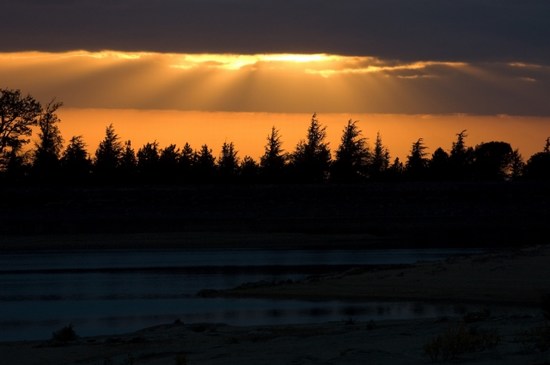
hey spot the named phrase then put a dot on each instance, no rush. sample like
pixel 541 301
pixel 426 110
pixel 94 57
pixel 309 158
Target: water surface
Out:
pixel 116 291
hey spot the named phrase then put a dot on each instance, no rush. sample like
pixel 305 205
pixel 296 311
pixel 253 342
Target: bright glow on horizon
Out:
pixel 276 83
pixel 210 98
pixel 249 130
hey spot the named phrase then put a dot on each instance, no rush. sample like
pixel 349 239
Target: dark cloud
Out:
pixel 468 30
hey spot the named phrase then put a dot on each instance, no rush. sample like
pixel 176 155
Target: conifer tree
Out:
pixel 75 162
pixel 311 159
pixel 273 160
pixel 204 166
pixel 380 161
pixel 108 154
pixel 228 162
pixel 417 161
pixel 351 155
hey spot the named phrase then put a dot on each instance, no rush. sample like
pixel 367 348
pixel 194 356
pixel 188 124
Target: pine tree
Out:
pixel 128 162
pixel 228 162
pixel 108 154
pixel 204 166
pixel 274 159
pixel 311 159
pixel 417 161
pixel 169 163
pixel 351 156
pixel 186 162
pixel 75 162
pixel 380 161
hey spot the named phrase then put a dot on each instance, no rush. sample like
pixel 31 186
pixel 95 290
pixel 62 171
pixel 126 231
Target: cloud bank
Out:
pixel 406 30
pixel 278 83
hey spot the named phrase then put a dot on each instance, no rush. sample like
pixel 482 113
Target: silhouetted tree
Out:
pixel 50 144
pixel 380 160
pixel 148 161
pixel 16 165
pixel 417 161
pixel 439 165
pixel 396 170
pixel 493 160
pixel 311 159
pixel 205 165
pixel 128 162
pixel 351 155
pixel 169 164
pixel 538 165
pixel 516 165
pixel 228 162
pixel 186 162
pixel 108 154
pixel 461 158
pixel 18 114
pixel 75 162
pixel 274 158
pixel 249 170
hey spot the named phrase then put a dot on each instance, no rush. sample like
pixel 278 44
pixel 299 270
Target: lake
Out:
pixel 117 291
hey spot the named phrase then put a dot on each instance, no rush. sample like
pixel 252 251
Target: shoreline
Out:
pixel 394 342
pixel 516 277
pixel 487 279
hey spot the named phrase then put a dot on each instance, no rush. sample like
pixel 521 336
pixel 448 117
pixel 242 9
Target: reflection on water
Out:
pixel 107 292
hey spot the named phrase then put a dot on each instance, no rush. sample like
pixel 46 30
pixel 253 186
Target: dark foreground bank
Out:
pixel 366 215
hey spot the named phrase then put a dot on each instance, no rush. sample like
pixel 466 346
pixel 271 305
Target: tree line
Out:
pixel 311 161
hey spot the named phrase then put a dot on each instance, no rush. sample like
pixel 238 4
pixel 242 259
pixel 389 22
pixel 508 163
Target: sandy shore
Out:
pixel 519 277
pixel 395 342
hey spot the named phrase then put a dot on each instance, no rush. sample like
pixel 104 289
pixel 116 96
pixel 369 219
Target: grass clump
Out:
pixel 459 340
pixel 536 339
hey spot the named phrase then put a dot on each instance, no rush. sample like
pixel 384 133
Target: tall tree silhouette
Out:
pixel 228 162
pixel 148 161
pixel 461 158
pixel 274 158
pixel 169 163
pixel 311 159
pixel 417 161
pixel 128 162
pixel 108 154
pixel 186 162
pixel 380 160
pixel 50 144
pixel 18 114
pixel 351 155
pixel 75 162
pixel 204 166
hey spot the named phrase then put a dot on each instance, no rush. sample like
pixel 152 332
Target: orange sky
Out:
pixel 157 96
pixel 249 130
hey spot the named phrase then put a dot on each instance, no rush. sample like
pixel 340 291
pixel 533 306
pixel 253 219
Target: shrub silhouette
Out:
pixel 65 334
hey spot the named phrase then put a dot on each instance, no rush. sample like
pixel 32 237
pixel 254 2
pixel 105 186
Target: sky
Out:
pixel 267 59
